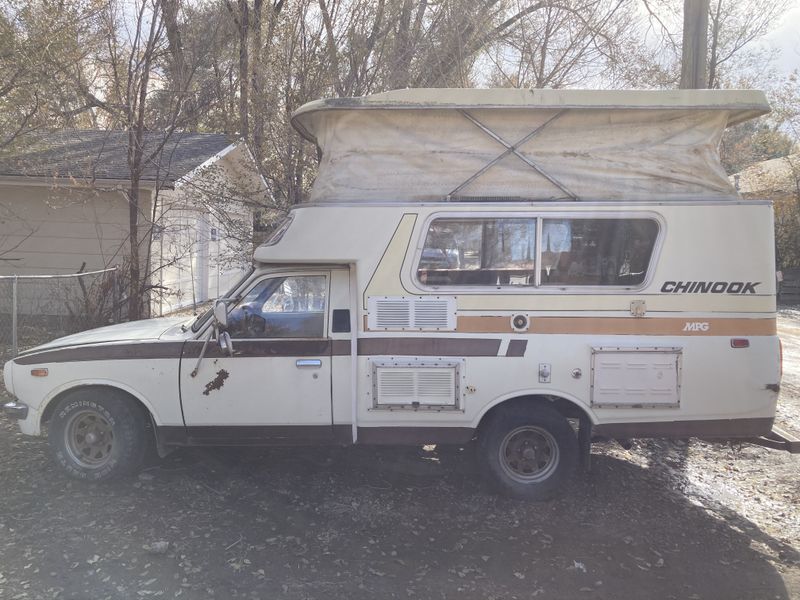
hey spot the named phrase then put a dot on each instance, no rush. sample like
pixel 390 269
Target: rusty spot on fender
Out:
pixel 217 382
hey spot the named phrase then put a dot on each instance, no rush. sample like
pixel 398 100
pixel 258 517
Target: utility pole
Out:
pixel 695 45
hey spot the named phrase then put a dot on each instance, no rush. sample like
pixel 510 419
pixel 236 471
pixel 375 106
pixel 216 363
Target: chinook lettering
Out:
pixel 714 287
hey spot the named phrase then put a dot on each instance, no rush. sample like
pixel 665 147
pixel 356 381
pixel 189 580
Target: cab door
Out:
pixel 277 384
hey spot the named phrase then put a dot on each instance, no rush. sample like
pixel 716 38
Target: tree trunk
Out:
pixel 258 87
pixel 695 44
pixel 134 283
pixel 244 68
pixel 136 128
pixel 180 70
pixel 712 62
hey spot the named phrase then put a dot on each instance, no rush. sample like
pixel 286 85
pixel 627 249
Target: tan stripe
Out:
pixel 622 326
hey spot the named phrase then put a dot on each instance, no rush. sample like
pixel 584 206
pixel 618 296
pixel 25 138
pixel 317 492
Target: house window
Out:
pixel 485 252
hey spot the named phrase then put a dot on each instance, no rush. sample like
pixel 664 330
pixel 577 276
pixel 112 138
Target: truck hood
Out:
pixel 147 329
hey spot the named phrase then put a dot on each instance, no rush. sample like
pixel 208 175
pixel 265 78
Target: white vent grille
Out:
pixel 392 314
pixel 416 384
pixel 425 313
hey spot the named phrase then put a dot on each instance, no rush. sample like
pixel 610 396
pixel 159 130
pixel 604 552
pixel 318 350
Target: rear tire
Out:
pixel 528 451
pixel 98 435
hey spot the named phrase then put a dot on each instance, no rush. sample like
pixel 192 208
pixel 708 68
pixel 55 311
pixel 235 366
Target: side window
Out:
pixel 479 252
pixel 282 307
pixel 596 251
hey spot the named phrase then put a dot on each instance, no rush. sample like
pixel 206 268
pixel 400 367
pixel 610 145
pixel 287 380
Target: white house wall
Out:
pixel 46 230
pixel 194 259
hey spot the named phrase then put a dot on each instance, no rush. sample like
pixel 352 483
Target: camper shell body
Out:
pixel 438 282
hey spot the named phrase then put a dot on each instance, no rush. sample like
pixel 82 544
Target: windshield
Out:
pixel 204 316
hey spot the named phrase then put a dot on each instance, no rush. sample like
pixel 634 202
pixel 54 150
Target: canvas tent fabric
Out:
pixel 438 145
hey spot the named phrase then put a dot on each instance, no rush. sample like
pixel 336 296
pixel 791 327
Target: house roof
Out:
pixel 778 175
pixel 95 154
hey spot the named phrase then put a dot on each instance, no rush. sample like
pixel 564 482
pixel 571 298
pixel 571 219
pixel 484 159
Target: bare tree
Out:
pixel 147 79
pixel 564 44
pixel 733 29
pixel 42 44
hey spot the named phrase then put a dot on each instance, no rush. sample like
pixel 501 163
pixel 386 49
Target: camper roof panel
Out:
pixel 427 145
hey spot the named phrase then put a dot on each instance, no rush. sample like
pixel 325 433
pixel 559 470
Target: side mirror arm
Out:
pixel 218 329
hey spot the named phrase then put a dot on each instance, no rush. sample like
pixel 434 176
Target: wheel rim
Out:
pixel 529 454
pixel 89 439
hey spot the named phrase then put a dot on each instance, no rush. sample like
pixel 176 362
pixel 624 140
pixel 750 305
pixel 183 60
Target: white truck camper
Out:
pixel 523 268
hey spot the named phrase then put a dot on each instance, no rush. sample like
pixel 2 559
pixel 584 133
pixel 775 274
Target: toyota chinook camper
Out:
pixel 527 268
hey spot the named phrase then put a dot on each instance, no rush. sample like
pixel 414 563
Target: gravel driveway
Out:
pixel 661 520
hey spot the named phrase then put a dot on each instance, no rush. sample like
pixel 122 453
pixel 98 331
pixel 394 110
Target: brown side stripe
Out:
pixel 716 428
pixel 516 348
pixel 150 350
pixel 275 348
pixel 684 326
pixel 261 348
pixel 427 347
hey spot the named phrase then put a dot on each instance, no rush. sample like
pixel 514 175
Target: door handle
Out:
pixel 306 363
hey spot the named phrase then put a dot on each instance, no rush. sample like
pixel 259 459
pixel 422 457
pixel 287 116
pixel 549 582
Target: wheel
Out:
pixel 528 452
pixel 98 434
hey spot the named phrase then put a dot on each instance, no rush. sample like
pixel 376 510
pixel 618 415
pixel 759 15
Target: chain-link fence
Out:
pixel 38 308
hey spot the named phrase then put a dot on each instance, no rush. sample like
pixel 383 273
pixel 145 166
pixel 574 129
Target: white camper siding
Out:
pixel 566 323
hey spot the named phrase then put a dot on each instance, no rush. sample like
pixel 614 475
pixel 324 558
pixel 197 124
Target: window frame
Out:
pixel 537 287
pixel 284 274
pixel 280 230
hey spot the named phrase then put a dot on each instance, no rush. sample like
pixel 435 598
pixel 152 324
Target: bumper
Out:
pixel 16 410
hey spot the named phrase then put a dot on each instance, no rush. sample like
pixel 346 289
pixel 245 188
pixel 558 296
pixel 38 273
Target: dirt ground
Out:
pixel 661 520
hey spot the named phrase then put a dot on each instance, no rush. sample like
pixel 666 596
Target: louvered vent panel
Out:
pixel 435 383
pixel 396 383
pixel 407 385
pixel 393 314
pixel 437 313
pixel 431 314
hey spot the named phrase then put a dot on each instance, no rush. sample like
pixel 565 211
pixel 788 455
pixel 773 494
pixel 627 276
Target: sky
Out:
pixel 787 37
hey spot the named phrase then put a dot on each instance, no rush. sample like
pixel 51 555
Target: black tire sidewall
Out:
pixel 545 417
pixel 126 422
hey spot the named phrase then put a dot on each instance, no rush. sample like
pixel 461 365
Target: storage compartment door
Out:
pixel 636 377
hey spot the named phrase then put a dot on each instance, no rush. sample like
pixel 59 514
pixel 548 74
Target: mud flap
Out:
pixel 585 444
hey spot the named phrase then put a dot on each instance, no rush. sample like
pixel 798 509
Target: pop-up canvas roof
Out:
pixel 423 145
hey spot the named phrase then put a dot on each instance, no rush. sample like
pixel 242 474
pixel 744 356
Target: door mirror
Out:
pixel 221 314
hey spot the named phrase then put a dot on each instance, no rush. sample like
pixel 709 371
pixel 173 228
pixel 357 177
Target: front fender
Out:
pixel 43 409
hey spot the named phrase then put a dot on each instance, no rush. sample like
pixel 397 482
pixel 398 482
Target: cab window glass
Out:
pixel 282 307
pixel 596 251
pixel 479 252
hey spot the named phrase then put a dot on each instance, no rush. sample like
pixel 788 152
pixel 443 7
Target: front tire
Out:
pixel 528 451
pixel 97 435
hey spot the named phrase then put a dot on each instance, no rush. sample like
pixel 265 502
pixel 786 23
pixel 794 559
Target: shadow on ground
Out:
pixel 363 523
